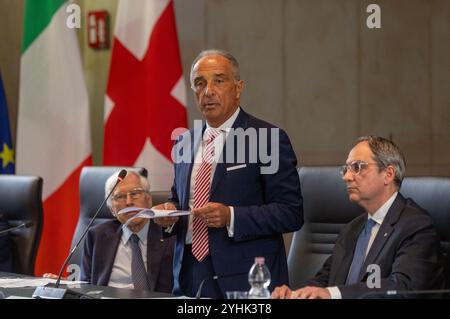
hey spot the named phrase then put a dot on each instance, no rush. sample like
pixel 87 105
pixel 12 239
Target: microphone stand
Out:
pixel 23 225
pixel 215 277
pixel 53 291
pixel 200 287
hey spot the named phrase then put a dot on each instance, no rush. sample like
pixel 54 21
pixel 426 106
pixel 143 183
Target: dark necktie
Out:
pixel 360 253
pixel 138 272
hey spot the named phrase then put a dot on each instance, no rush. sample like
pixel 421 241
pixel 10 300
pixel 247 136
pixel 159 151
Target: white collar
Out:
pixel 381 212
pixel 226 126
pixel 142 234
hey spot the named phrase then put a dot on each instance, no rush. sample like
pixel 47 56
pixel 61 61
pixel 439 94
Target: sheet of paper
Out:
pixel 151 213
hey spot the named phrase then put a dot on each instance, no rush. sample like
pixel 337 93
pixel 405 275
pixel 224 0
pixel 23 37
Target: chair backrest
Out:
pixel 92 193
pixel 326 210
pixel 433 194
pixel 21 201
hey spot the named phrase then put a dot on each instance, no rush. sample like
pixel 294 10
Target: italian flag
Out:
pixel 53 138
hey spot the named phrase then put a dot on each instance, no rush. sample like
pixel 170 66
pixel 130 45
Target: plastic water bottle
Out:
pixel 259 280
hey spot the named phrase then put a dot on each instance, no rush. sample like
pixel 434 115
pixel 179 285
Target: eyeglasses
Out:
pixel 355 167
pixel 134 194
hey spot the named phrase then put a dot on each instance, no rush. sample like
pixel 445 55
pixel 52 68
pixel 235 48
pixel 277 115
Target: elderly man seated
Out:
pixel 126 254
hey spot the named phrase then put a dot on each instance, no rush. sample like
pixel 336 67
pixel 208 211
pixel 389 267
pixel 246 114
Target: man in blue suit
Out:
pixel 241 201
pixel 394 246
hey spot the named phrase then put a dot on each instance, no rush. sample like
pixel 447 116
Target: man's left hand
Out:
pixel 215 215
pixel 311 293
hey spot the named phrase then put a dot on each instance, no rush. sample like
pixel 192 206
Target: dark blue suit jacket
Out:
pixel 406 248
pixel 265 207
pixel 100 250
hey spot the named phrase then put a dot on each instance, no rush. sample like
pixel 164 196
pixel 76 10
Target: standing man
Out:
pixel 241 204
pixel 395 236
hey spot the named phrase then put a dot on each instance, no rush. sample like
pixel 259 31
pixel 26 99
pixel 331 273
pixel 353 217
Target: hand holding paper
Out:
pixel 166 222
pixel 152 213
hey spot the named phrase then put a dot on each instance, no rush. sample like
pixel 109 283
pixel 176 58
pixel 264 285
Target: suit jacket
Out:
pixel 6 262
pixel 265 207
pixel 406 248
pixel 100 250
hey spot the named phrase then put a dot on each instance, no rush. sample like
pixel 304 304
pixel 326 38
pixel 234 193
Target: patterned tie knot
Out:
pixel 134 239
pixel 369 225
pixel 211 134
pixel 138 272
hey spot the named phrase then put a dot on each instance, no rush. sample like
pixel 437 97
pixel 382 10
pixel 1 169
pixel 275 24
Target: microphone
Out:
pixel 215 277
pixel 50 292
pixel 391 293
pixel 23 225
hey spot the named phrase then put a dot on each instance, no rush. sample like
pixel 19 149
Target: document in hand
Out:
pixel 152 213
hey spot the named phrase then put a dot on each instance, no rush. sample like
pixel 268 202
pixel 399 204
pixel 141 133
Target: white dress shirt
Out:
pixel 378 217
pixel 121 270
pixel 219 142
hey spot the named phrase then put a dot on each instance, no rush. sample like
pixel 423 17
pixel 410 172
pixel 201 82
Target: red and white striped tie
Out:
pixel 202 182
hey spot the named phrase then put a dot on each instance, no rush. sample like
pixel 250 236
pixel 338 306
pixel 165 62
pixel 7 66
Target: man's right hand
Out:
pixel 165 221
pixel 49 275
pixel 282 292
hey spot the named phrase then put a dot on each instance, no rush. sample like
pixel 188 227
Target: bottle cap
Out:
pixel 259 260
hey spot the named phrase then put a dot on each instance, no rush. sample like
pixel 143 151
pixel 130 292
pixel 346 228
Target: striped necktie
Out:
pixel 202 183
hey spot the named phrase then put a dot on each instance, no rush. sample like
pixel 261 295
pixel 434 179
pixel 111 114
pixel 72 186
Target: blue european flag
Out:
pixel 6 149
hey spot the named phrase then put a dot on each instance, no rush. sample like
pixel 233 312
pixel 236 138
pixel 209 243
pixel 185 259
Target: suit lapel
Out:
pixel 385 231
pixel 241 121
pixel 109 244
pixel 155 251
pixel 344 256
pixel 187 167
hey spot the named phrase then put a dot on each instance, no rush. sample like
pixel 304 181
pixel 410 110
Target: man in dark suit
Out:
pixel 394 246
pixel 241 202
pixel 5 247
pixel 112 258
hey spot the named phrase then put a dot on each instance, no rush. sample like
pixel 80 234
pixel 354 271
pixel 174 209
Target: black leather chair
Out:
pixel 326 210
pixel 433 194
pixel 92 193
pixel 21 201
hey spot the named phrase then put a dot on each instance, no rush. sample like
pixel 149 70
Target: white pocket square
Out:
pixel 232 168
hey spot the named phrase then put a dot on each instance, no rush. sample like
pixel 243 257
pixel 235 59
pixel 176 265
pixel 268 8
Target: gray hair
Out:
pixel 385 152
pixel 223 53
pixel 109 184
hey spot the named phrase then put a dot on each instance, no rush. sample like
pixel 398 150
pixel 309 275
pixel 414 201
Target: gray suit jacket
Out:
pixel 406 248
pixel 100 250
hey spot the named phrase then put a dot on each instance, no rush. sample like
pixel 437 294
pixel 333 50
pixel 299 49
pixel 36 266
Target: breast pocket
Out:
pixel 236 167
pixel 239 185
